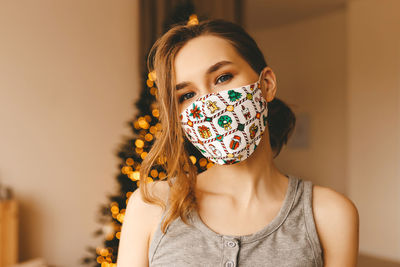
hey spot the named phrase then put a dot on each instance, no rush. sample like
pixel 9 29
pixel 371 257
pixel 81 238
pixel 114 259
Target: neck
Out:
pixel 252 180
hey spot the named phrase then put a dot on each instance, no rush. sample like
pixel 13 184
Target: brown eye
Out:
pixel 223 78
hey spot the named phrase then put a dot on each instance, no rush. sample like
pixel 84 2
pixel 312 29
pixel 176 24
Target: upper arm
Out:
pixel 139 220
pixel 337 223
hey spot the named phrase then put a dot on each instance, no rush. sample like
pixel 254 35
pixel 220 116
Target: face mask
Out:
pixel 227 126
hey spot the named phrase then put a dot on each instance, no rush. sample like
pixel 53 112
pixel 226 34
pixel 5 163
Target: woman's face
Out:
pixel 208 64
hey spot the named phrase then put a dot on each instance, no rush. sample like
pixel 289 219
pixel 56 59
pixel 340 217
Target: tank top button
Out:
pixel 229 264
pixel 231 244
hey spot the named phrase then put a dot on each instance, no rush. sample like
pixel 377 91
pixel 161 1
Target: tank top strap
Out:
pixel 309 221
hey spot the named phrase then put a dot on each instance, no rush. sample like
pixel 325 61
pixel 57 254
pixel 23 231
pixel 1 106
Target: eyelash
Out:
pixel 224 75
pixel 229 75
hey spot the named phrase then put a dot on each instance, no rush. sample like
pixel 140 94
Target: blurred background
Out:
pixel 76 115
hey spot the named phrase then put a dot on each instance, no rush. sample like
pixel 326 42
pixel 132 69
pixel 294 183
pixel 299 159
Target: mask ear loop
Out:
pixel 259 80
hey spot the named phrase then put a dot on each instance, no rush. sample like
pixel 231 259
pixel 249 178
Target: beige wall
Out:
pixel 374 123
pixel 343 70
pixel 68 78
pixel 309 61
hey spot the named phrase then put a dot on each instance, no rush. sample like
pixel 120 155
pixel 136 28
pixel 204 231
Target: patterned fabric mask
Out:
pixel 227 126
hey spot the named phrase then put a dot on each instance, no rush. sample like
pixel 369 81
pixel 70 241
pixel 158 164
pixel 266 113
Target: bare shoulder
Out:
pixel 337 222
pixel 136 202
pixel 150 211
pixel 139 222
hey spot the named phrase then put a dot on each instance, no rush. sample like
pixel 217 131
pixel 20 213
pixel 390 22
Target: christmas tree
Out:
pixel 145 128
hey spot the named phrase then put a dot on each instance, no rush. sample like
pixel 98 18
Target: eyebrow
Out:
pixel 210 70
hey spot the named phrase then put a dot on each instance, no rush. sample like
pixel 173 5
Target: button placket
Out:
pixel 231 244
pixel 231 251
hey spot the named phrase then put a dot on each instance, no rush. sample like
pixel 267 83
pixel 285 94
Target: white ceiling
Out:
pixel 271 13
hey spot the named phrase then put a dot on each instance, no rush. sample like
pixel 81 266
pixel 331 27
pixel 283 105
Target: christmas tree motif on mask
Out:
pixel 225 122
pixel 195 112
pixel 234 96
pixel 212 106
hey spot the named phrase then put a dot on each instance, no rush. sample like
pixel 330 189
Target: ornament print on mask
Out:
pixel 227 126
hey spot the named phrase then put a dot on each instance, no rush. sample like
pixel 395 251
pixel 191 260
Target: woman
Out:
pixel 216 92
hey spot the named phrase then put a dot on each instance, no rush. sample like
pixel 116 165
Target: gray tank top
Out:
pixel 290 239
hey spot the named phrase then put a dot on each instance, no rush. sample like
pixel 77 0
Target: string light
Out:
pixel 143 123
pixel 154 173
pixel 153 129
pixel 149 83
pixel 153 90
pixel 100 259
pixel 148 137
pixel 152 76
pixel 143 155
pixel 114 210
pixel 202 162
pixel 129 161
pixel 139 143
pixel 155 113
pixel 110 236
pixel 209 165
pixel 193 20
pixel 104 252
pixel 120 217
pixel 193 159
pixel 135 175
pixel 162 175
pixel 126 169
pixel 109 263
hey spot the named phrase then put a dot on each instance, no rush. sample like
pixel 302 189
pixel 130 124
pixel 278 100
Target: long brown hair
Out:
pixel 168 148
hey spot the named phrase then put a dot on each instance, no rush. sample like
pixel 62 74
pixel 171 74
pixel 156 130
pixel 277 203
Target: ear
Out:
pixel 268 83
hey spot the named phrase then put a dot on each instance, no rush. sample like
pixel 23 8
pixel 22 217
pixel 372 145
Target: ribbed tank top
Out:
pixel 290 239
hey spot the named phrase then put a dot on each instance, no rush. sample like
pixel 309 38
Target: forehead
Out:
pixel 197 55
